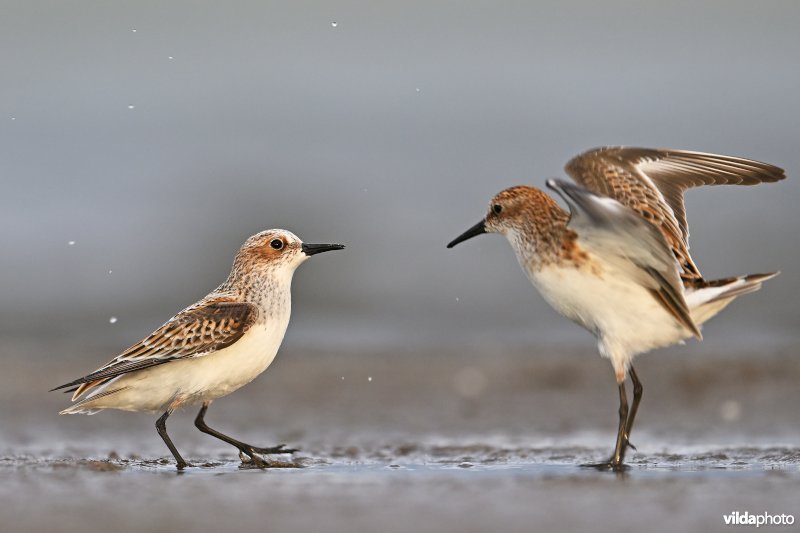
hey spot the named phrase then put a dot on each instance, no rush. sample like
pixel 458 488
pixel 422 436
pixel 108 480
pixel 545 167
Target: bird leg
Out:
pixel 161 427
pixel 622 436
pixel 244 448
pixel 615 462
pixel 626 418
pixel 637 397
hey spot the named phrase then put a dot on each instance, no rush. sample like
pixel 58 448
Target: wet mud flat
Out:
pixel 402 441
pixel 432 488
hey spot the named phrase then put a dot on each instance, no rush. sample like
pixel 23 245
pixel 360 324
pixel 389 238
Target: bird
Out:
pixel 209 349
pixel 617 261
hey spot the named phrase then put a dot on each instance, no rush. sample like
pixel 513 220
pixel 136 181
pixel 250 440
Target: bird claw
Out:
pixel 255 461
pixel 280 448
pixel 251 456
pixel 251 460
pixel 608 465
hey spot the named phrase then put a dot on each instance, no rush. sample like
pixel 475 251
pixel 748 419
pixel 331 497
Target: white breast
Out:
pixel 623 315
pixel 221 373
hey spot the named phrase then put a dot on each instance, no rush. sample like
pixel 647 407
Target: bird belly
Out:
pixel 237 365
pixel 623 315
pixel 195 380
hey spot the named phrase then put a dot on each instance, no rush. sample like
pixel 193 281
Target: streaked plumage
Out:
pixel 652 183
pixel 208 326
pixel 618 263
pixel 209 349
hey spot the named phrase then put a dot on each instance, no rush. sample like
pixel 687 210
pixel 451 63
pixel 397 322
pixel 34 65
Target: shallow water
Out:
pixel 424 460
pixel 436 488
pixel 433 442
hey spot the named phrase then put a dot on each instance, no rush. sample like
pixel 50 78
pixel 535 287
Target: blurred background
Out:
pixel 142 142
pixel 157 136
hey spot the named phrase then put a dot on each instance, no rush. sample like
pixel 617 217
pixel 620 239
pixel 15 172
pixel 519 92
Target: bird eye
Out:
pixel 497 208
pixel 276 243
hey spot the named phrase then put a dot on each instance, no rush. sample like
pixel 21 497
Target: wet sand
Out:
pixel 536 493
pixel 434 441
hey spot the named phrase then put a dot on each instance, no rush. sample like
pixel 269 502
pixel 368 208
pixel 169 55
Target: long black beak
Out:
pixel 475 230
pixel 311 249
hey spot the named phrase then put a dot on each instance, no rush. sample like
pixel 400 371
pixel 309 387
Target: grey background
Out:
pixel 389 132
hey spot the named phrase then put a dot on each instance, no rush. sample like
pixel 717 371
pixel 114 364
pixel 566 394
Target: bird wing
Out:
pixel 623 238
pixel 206 327
pixel 652 183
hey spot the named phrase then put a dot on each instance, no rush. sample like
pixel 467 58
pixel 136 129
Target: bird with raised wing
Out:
pixel 617 263
pixel 209 349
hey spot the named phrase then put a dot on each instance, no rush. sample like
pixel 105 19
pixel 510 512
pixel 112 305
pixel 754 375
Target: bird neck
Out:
pixel 268 288
pixel 544 236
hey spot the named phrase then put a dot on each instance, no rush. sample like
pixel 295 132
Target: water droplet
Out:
pixel 458 299
pixel 170 58
pixel 13 118
pixel 112 320
pixel 417 89
pixel 334 24
pixel 71 243
pixel 369 378
pixel 133 30
pixel 342 378
pixel 110 271
pixel 131 107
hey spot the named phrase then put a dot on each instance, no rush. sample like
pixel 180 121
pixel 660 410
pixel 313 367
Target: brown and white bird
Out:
pixel 618 262
pixel 209 349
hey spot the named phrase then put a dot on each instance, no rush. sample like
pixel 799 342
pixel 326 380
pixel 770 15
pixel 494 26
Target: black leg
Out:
pixel 637 397
pixel 161 427
pixel 246 449
pixel 622 437
pixel 616 461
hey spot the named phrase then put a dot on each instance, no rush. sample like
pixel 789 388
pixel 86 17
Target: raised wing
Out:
pixel 209 326
pixel 636 247
pixel 652 182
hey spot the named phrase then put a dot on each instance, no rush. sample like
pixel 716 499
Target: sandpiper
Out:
pixel 209 349
pixel 618 262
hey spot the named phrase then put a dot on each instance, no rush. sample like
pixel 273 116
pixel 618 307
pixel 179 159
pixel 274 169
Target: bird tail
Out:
pixel 90 405
pixel 707 298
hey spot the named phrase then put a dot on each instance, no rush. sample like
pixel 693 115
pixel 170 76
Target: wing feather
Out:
pixel 206 327
pixel 636 247
pixel 652 182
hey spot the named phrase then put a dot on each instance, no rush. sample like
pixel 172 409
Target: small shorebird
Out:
pixel 209 349
pixel 618 263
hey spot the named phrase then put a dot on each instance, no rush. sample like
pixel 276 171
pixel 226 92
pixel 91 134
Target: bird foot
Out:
pixel 183 464
pixel 609 465
pixel 251 460
pixel 280 448
pixel 252 457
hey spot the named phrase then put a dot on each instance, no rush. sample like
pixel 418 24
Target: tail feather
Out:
pixel 707 298
pixel 90 405
pixel 86 387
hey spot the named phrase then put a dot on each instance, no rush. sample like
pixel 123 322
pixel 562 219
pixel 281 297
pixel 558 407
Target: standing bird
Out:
pixel 209 349
pixel 618 263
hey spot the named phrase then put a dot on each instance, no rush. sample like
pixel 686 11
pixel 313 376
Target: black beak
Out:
pixel 477 229
pixel 311 249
